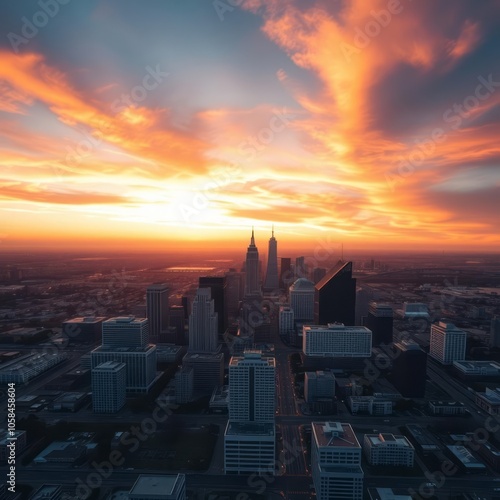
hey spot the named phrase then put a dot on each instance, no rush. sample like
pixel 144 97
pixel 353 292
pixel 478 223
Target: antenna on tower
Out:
pixel 273 231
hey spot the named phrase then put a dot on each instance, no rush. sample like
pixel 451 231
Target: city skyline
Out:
pixel 187 122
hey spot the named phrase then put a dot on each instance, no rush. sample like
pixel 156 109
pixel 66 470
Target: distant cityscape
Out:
pixel 294 377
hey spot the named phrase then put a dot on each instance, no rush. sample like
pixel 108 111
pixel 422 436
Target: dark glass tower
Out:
pixel 379 321
pixel 286 273
pixel 409 369
pixel 335 296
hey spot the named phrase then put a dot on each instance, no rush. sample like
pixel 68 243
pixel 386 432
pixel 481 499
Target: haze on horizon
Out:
pixel 179 125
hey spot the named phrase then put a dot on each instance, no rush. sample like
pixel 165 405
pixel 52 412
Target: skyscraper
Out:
pixel 272 279
pixel 125 331
pixel 380 321
pixel 252 387
pixel 409 369
pixel 286 273
pixel 108 387
pixel 203 323
pixel 495 332
pixel 335 296
pixel 302 300
pixel 447 343
pixel 157 311
pixel 250 436
pixel 217 285
pixel 252 282
pixel 300 268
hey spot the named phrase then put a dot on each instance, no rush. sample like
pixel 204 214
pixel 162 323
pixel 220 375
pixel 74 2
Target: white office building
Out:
pixel 336 462
pixel 319 384
pixel 252 387
pixel 203 323
pixel 336 340
pixel 127 331
pixel 164 487
pixel 388 449
pixel 108 387
pixel 447 343
pixel 302 300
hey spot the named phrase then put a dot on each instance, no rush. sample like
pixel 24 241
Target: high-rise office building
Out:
pixel 208 370
pixel 157 311
pixel 184 384
pixel 203 323
pixel 335 296
pixel 286 273
pixel 217 285
pixel 177 322
pixel 300 268
pixel 448 343
pixel 336 462
pixel 495 332
pixel 271 282
pixel 126 331
pixel 140 365
pixel 249 439
pixel 336 340
pixel 252 387
pixel 380 321
pixel 164 487
pixel 108 387
pixel 318 384
pixel 252 280
pixel 302 300
pixel 233 294
pixel 409 369
pixel 286 320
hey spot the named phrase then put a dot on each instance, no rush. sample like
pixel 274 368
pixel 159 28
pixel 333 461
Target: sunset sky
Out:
pixel 169 123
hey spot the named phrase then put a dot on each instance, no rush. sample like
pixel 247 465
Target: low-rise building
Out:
pixel 370 404
pixel 154 487
pixel 249 447
pixel 336 462
pixel 489 400
pixel 388 449
pixel 447 407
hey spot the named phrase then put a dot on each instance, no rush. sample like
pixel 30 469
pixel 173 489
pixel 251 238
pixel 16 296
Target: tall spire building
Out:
pixel 252 284
pixel 272 277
